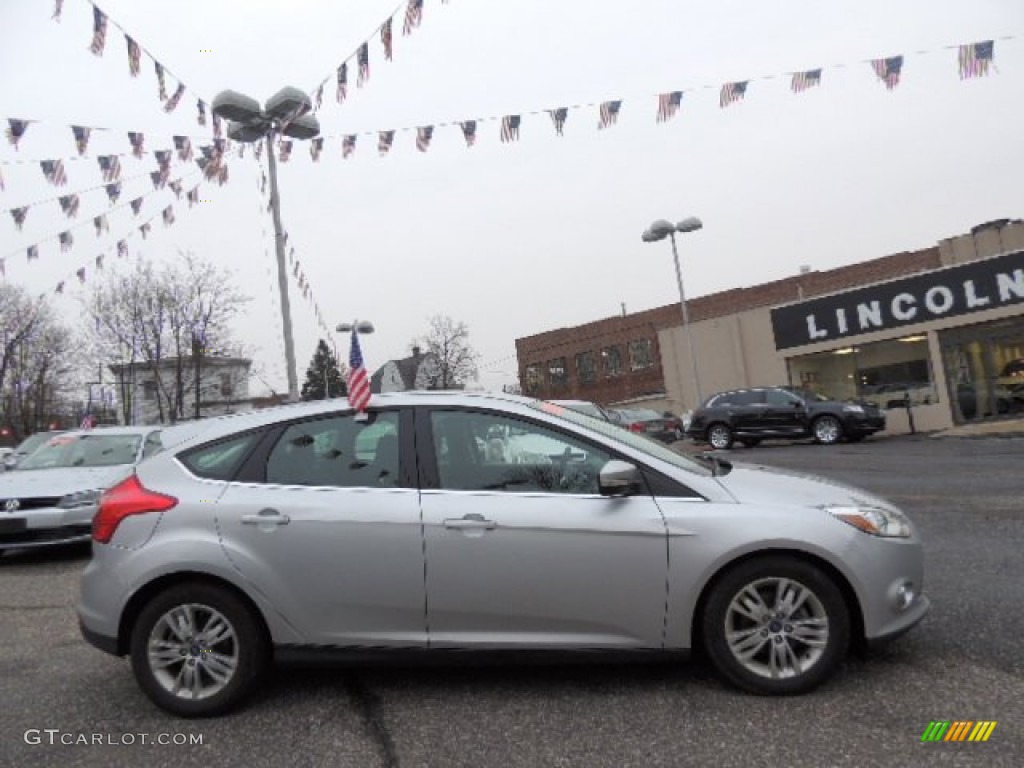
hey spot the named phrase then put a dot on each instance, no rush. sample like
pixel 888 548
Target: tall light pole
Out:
pixel 659 230
pixel 286 113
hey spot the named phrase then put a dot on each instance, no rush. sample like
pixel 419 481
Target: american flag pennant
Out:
pixel 413 16
pixel 69 204
pixel 176 188
pixel 134 56
pixel 348 145
pixel 291 255
pixel 258 150
pixel 122 248
pixel 15 130
pixel 159 179
pixel 384 141
pixel 113 191
pixel 99 31
pixel 668 105
pixel 241 151
pixel 67 242
pixel 609 113
pixel 163 159
pixel 316 146
pixel 161 80
pixel 80 274
pixel 81 134
pixel 136 206
pixel 201 112
pixel 976 58
pixel 558 117
pixel 101 224
pixel 32 252
pixel 19 214
pixel 58 8
pixel 222 174
pixel 888 70
pixel 138 142
pixel 732 92
pixel 803 80
pixel 263 183
pixel 168 215
pixel 53 170
pixel 59 288
pixel 295 270
pixel 319 97
pixel 386 38
pixel 2 187
pixel 172 103
pixel 469 131
pixel 193 196
pixel 99 261
pixel 218 131
pixel 423 136
pixel 363 58
pixel 3 268
pixel 183 145
pixel 284 150
pixel 510 128
pixel 110 167
pixel 144 230
pixel 358 381
pixel 342 82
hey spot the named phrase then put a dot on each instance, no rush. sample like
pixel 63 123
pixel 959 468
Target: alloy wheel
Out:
pixel 827 430
pixel 193 651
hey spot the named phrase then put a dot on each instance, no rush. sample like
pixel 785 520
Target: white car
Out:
pixel 52 497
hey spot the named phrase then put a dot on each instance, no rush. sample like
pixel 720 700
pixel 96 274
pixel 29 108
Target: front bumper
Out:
pixel 48 526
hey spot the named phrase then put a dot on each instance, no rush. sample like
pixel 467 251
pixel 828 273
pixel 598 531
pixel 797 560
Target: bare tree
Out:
pixel 448 342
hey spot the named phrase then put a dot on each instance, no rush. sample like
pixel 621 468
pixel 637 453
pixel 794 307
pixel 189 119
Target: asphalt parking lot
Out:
pixel 963 663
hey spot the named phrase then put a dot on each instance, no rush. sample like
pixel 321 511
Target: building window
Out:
pixel 149 390
pixel 531 385
pixel 611 359
pixel 640 354
pixel 227 386
pixel 585 370
pixel 557 373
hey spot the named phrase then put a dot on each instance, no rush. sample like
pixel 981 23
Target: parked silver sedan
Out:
pixel 443 520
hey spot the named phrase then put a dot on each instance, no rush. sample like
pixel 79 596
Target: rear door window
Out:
pixel 220 460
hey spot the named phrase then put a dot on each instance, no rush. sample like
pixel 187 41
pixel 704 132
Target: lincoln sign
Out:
pixel 960 290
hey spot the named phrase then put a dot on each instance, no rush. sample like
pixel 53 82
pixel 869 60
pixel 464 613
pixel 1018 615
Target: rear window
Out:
pixel 221 460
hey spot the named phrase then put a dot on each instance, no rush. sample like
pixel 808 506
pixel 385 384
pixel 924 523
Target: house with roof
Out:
pixel 418 371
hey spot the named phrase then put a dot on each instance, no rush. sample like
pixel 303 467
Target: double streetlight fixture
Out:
pixel 659 230
pixel 287 113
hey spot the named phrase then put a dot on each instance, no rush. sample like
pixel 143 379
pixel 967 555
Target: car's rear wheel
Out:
pixel 197 650
pixel 751 442
pixel 776 626
pixel 827 430
pixel 719 436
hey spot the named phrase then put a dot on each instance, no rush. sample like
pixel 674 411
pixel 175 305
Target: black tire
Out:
pixel 247 647
pixel 719 436
pixel 827 430
pixel 751 442
pixel 816 659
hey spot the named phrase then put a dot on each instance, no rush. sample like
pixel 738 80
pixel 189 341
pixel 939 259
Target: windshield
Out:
pixel 618 434
pixel 84 451
pixel 29 444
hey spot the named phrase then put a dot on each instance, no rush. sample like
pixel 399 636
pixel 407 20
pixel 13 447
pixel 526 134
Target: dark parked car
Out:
pixel 752 415
pixel 645 421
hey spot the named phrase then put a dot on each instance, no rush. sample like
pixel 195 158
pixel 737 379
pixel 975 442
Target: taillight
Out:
pixel 636 426
pixel 127 498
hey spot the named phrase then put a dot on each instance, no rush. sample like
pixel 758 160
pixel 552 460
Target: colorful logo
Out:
pixel 958 730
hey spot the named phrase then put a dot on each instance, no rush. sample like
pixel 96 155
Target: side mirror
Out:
pixel 618 478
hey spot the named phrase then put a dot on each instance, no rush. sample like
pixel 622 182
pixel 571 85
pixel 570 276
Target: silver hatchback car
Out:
pixel 480 523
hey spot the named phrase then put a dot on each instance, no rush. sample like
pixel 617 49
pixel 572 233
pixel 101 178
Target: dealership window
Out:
pixel 585 370
pixel 611 358
pixel 531 385
pixel 557 373
pixel 984 367
pixel 885 372
pixel 640 354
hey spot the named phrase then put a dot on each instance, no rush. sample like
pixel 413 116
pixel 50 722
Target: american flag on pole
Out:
pixel 732 92
pixel 316 146
pixel 172 103
pixel 888 70
pixel 81 134
pixel 510 128
pixel 53 170
pixel 15 130
pixel 558 117
pixel 348 145
pixel 161 80
pixel 342 82
pixel 358 381
pixel 413 16
pixel 67 242
pixel 138 142
pixel 668 105
pixel 113 191
pixel 609 113
pixel 19 214
pixel 804 80
pixel 134 56
pixel 384 141
pixel 386 39
pixel 88 422
pixel 99 31
pixel 363 58
pixel 469 131
pixel 183 144
pixel 976 58
pixel 423 136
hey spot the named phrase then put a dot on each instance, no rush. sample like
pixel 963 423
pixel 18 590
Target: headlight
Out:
pixel 874 520
pixel 853 409
pixel 79 499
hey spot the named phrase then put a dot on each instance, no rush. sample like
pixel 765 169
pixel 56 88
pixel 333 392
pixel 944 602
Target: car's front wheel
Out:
pixel 197 650
pixel 827 430
pixel 776 625
pixel 720 437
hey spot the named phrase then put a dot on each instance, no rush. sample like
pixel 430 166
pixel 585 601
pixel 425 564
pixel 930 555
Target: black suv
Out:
pixel 751 415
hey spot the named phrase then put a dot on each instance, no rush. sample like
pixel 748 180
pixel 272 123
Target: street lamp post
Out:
pixel 659 230
pixel 286 113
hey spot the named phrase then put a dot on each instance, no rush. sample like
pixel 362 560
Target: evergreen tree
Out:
pixel 323 369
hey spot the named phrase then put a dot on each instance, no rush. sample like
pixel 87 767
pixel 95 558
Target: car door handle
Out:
pixel 471 521
pixel 266 517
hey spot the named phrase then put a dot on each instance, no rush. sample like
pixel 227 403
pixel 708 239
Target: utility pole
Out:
pixel 196 355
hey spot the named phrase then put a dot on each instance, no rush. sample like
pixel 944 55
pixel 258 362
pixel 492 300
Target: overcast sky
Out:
pixel 515 239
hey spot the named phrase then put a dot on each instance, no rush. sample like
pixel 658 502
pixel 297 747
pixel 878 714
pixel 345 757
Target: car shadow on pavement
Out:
pixel 46 556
